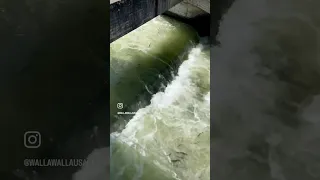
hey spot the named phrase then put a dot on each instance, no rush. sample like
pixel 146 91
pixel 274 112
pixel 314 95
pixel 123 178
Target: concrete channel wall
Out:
pixel 202 4
pixel 127 15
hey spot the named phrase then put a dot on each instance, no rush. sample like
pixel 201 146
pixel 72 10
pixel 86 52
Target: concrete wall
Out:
pixel 187 10
pixel 127 15
pixel 164 5
pixel 202 4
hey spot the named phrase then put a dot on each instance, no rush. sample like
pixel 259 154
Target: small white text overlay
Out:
pixel 126 113
pixel 55 162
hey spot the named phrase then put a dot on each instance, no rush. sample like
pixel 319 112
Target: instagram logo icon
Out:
pixel 120 105
pixel 32 139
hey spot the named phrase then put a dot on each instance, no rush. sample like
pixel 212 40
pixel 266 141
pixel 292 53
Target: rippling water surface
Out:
pixel 170 137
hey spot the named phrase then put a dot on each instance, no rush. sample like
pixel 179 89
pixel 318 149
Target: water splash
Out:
pixel 169 139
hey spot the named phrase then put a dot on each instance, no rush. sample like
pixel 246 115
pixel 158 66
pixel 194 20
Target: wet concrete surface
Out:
pixel 113 1
pixel 54 76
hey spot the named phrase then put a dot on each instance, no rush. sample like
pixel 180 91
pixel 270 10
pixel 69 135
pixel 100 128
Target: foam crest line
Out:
pixel 169 139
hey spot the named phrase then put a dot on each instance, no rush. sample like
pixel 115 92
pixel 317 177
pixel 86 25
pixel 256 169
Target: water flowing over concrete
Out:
pixel 139 58
pixel 168 137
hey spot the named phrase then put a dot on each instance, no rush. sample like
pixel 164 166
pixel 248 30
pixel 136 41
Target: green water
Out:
pixel 170 137
pixel 140 56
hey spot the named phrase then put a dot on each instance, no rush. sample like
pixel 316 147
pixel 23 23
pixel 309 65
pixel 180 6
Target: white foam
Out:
pixel 174 121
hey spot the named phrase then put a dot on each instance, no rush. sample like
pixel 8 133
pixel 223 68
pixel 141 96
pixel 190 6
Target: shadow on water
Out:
pixel 207 24
pixel 200 23
pixel 54 75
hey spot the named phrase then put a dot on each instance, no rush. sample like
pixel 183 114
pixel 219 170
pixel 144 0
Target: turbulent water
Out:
pixel 169 138
pixel 142 60
pixel 266 81
pixel 265 108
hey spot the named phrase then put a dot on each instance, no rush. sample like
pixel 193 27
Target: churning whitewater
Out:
pixel 266 82
pixel 170 138
pixel 161 72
